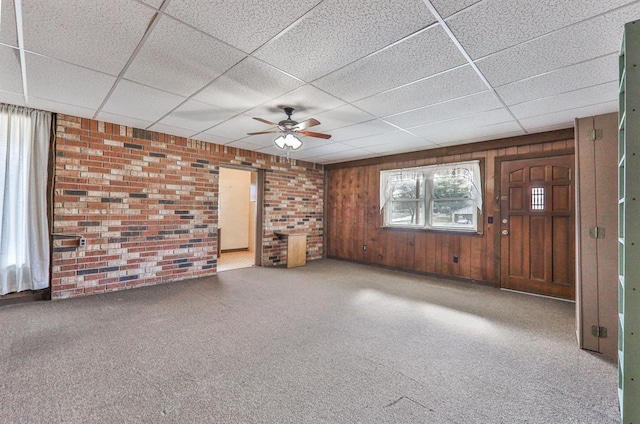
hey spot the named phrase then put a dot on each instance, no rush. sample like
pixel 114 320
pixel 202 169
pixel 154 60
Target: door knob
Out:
pixel 505 232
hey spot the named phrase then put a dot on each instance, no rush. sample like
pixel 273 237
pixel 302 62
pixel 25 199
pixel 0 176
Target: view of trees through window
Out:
pixel 432 197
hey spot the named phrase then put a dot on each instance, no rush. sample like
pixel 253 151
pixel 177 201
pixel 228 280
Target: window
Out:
pixel 442 197
pixel 537 198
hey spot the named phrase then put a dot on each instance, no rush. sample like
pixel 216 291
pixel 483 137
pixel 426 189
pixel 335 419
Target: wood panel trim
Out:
pixel 502 143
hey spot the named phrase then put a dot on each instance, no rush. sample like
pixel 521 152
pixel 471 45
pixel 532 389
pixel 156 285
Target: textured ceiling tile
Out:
pixel 497 24
pixel 62 82
pixel 570 100
pixel 12 98
pixel 388 138
pixel 348 155
pixel 420 56
pixel 237 127
pixel 450 85
pixel 123 120
pixel 394 148
pixel 447 8
pixel 180 59
pixel 58 107
pixel 584 41
pixel 475 134
pixel 363 129
pixel 586 74
pixel 247 85
pixel 565 118
pixel 472 122
pixel 154 3
pixel 209 138
pixel 243 24
pixel 10 70
pixel 168 129
pixel 337 32
pixel 101 35
pixel 469 105
pixel 141 102
pixel 8 32
pixel 342 117
pixel 307 100
pixel 196 116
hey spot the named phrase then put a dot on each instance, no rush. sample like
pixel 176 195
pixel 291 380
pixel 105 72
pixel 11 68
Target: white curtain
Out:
pixel 24 233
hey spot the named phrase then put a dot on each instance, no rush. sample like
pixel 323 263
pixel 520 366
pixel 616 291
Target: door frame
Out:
pixel 497 192
pixel 260 178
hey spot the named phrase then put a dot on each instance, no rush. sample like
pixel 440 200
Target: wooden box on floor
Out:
pixel 296 248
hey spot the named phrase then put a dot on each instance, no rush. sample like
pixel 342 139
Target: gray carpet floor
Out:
pixel 332 342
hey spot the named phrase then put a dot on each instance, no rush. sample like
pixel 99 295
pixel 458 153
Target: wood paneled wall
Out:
pixel 353 218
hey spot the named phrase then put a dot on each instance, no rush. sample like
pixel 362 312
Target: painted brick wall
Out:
pixel 147 205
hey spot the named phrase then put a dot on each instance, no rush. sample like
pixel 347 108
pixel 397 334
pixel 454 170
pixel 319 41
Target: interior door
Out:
pixel 536 226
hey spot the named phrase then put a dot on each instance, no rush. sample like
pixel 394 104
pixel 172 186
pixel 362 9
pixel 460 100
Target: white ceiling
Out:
pixel 381 76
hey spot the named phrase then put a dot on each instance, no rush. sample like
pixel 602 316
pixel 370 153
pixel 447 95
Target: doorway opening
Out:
pixel 238 218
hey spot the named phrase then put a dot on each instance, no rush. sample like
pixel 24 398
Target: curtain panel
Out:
pixel 24 233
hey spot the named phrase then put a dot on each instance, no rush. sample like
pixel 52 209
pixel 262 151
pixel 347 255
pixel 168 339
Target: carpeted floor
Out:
pixel 331 342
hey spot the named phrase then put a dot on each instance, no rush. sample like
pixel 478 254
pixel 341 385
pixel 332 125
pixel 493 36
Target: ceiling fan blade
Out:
pixel 306 124
pixel 314 134
pixel 264 132
pixel 265 121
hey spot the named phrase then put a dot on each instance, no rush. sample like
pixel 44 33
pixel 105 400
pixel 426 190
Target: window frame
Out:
pixel 428 171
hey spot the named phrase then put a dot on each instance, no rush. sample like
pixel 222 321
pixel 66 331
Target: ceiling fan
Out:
pixel 289 128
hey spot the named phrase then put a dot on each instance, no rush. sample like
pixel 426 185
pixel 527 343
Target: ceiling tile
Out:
pixel 447 8
pixel 8 33
pixel 571 100
pixel 12 98
pixel 237 127
pixel 247 85
pixel 584 41
pixel 168 129
pixel 180 59
pixel 102 34
pixel 349 155
pixel 212 138
pixel 196 116
pixel 565 118
pixel 154 3
pixel 498 24
pixel 255 142
pixel 363 129
pixel 141 102
pixel 58 107
pixel 324 147
pixel 337 32
pixel 585 74
pixel 307 100
pixel 243 24
pixel 10 70
pixel 449 85
pixel 388 138
pixel 473 135
pixel 471 122
pixel 123 120
pixel 394 148
pixel 463 106
pixel 341 117
pixel 62 82
pixel 420 56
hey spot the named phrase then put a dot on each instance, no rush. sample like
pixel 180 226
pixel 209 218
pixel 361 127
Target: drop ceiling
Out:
pixel 381 76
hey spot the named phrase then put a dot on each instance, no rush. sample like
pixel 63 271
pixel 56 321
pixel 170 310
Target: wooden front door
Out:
pixel 536 226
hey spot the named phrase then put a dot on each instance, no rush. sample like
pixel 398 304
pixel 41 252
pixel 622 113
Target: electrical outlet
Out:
pixel 364 247
pixel 82 242
pixel 455 259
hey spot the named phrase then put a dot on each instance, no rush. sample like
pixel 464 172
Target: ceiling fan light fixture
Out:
pixel 280 142
pixel 292 141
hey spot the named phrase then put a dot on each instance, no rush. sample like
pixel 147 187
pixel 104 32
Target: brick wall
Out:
pixel 147 205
